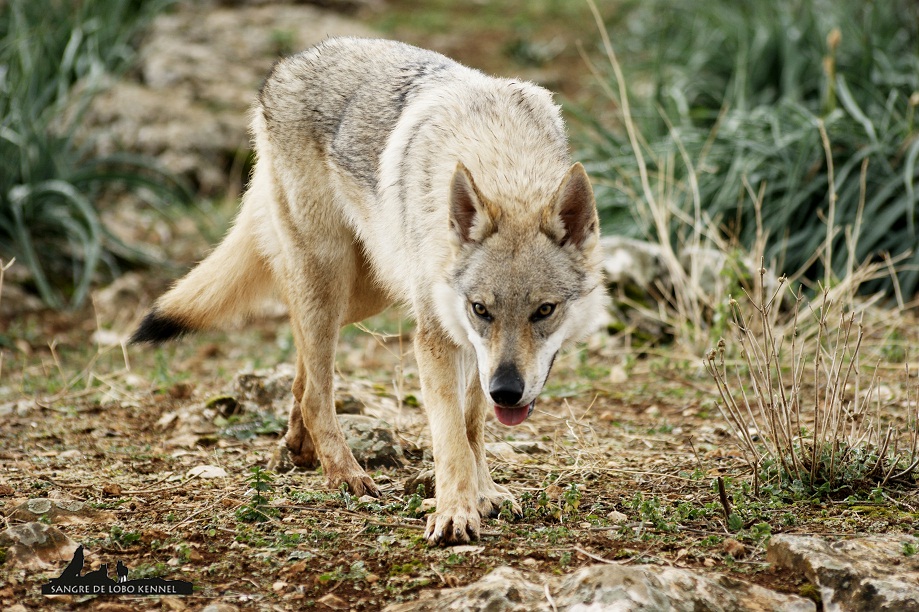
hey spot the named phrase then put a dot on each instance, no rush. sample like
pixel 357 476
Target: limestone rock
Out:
pixel 609 587
pixel 36 546
pixel 59 511
pixel 645 273
pixel 266 387
pixel 206 472
pixel 503 590
pixel 199 70
pixel 514 451
pixel 19 407
pixel 271 389
pixel 628 261
pixel 652 587
pixel 220 607
pixel 872 573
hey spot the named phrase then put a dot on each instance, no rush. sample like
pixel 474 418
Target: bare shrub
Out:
pixel 798 404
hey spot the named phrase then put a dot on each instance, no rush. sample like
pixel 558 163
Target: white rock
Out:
pixel 36 546
pixel 618 375
pixel 206 471
pixel 868 573
pixel 608 587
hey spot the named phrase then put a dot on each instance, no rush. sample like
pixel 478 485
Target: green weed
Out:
pixel 414 502
pixel 356 572
pixel 149 570
pixel 119 538
pixel 257 508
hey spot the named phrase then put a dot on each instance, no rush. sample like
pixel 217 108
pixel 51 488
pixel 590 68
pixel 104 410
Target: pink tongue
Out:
pixel 513 416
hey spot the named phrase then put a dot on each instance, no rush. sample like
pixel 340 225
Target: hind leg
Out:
pixel 298 440
pixel 323 294
pixel 364 299
pixel 316 258
pixel 316 352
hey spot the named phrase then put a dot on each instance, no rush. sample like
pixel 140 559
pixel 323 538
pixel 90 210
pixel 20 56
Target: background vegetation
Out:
pixel 54 56
pixel 729 98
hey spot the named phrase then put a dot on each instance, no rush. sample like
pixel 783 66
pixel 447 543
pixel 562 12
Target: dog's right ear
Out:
pixel 472 218
pixel 572 219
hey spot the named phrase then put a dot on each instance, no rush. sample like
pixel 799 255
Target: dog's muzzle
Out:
pixel 506 391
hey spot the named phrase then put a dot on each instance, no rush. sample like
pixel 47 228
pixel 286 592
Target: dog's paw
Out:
pixel 491 502
pixel 453 525
pixel 358 483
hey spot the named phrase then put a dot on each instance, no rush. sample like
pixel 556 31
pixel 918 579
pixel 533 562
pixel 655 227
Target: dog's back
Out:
pixel 391 121
pixel 346 95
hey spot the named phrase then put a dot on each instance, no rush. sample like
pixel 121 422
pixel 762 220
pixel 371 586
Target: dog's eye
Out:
pixel 480 311
pixel 543 311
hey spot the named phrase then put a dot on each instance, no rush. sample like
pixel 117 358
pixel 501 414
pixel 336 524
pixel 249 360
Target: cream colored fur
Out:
pixel 386 173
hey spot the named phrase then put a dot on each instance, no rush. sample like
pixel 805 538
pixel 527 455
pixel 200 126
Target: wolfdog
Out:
pixel 386 173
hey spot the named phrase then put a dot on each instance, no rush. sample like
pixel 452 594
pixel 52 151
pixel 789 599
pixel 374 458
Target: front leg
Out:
pixel 491 496
pixel 457 518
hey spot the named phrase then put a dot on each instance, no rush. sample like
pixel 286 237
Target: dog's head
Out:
pixel 522 284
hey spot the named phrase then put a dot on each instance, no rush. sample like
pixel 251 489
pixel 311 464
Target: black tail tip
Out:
pixel 157 328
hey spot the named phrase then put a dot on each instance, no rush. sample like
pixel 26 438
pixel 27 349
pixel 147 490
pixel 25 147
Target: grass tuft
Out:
pixel 730 99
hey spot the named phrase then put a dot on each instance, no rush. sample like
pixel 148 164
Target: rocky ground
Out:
pixel 617 470
pixel 146 456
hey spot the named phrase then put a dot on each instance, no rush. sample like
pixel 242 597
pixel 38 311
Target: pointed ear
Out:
pixel 574 210
pixel 469 215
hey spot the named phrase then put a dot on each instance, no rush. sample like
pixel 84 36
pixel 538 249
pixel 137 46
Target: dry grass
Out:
pixel 3 268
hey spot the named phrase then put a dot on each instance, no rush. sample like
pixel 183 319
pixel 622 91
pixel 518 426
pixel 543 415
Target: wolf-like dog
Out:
pixel 387 173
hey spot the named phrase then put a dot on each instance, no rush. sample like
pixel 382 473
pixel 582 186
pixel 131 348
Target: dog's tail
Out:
pixel 226 285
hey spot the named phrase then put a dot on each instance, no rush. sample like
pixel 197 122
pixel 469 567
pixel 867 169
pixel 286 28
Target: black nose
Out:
pixel 506 387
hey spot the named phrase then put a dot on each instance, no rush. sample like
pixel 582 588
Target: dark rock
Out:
pixel 372 441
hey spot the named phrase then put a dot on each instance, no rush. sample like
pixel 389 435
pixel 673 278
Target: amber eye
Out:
pixel 543 311
pixel 479 309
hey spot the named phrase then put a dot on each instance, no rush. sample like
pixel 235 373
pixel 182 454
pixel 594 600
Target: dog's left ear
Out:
pixel 572 217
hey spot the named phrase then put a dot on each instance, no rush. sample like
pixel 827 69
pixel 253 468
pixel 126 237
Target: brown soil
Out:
pixel 649 448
